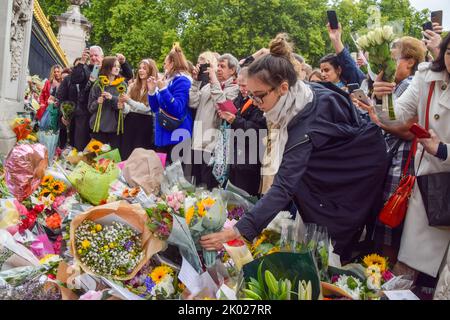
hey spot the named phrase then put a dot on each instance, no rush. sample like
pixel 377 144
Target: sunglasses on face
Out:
pixel 258 99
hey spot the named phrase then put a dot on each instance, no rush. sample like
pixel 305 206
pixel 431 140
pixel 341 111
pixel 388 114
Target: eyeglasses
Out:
pixel 258 99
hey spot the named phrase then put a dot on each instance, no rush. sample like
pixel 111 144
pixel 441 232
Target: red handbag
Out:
pixel 394 210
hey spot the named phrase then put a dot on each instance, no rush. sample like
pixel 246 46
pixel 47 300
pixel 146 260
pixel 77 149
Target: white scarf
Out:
pixel 278 119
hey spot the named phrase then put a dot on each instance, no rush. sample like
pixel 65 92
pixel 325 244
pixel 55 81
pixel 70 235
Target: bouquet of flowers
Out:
pixel 109 251
pixel 92 182
pixel 22 128
pixel 50 140
pixel 67 110
pixel 377 43
pixel 160 220
pixel 155 282
pixel 205 214
pixel 112 240
pixel 121 88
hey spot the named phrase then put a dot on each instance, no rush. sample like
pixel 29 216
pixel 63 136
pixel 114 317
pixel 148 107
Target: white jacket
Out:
pixel 423 247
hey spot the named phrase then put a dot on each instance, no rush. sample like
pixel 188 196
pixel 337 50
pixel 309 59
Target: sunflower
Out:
pixel 189 215
pixel 121 88
pixel 45 192
pixel 259 241
pixel 104 80
pixel 375 259
pixel 47 180
pixel 57 187
pixel 94 146
pixel 159 273
pixel 117 81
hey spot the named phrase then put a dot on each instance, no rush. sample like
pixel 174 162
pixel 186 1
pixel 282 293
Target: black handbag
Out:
pixel 169 122
pixel 435 191
pixel 435 188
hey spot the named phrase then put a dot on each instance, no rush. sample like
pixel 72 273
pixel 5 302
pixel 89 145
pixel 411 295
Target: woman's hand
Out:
pixel 107 95
pixel 437 28
pixel 431 144
pixel 215 241
pixel 151 85
pixel 195 72
pixel 227 116
pixel 124 98
pixel 100 100
pixel 65 121
pixel 161 83
pixel 212 75
pixel 432 41
pixel 51 99
pixel 370 110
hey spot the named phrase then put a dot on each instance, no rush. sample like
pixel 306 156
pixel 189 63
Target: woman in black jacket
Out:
pixel 246 125
pixel 320 153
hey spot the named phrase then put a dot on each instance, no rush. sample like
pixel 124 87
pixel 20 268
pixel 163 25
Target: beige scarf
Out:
pixel 278 119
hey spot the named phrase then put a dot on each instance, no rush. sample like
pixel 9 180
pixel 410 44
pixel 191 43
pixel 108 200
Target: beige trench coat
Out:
pixel 423 247
pixel 207 120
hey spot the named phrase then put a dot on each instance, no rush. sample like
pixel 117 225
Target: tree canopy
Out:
pixel 148 28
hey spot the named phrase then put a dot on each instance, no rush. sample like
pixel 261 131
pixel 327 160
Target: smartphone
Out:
pixel 427 26
pixel 436 17
pixel 95 70
pixel 419 131
pixel 332 19
pixel 202 75
pixel 361 96
pixel 352 87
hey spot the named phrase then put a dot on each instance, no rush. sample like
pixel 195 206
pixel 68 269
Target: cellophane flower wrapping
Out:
pixel 92 184
pixel 134 216
pixel 50 140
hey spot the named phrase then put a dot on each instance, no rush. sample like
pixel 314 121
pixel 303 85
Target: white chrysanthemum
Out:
pixel 343 283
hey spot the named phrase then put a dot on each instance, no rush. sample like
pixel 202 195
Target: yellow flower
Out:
pixel 47 258
pixel 159 273
pixel 94 146
pixel 117 81
pixel 259 241
pixel 189 215
pixel 45 192
pixel 375 259
pixel 57 187
pixel 31 137
pixel 98 227
pixel 104 80
pixel 85 244
pixel 201 209
pixel 121 88
pixel 208 202
pixel 46 180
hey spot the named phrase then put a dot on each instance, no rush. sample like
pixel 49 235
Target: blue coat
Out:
pixel 333 169
pixel 350 71
pixel 174 100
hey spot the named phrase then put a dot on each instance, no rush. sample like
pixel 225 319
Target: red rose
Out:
pixel 236 243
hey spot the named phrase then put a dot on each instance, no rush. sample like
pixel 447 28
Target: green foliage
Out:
pixel 142 28
pixel 52 9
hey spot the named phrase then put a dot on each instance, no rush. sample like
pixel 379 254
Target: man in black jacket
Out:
pixel 82 76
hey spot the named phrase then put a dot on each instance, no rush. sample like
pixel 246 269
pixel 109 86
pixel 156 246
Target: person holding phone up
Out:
pixel 339 67
pixel 424 247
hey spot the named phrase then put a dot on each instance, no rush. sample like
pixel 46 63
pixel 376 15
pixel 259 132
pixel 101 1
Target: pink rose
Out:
pixel 92 295
pixel 23 211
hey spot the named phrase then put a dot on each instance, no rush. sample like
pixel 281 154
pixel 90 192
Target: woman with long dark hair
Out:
pixel 106 95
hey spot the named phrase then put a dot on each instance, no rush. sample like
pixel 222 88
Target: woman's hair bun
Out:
pixel 280 46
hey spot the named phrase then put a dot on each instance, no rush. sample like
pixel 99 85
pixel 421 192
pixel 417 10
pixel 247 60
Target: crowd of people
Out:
pixel 292 135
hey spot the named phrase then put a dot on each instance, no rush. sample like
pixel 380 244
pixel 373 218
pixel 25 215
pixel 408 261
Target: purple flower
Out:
pixel 149 284
pixel 128 245
pixel 334 278
pixel 236 213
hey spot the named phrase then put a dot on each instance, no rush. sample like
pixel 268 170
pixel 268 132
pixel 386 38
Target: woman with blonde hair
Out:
pixel 138 125
pixel 168 97
pixel 50 89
